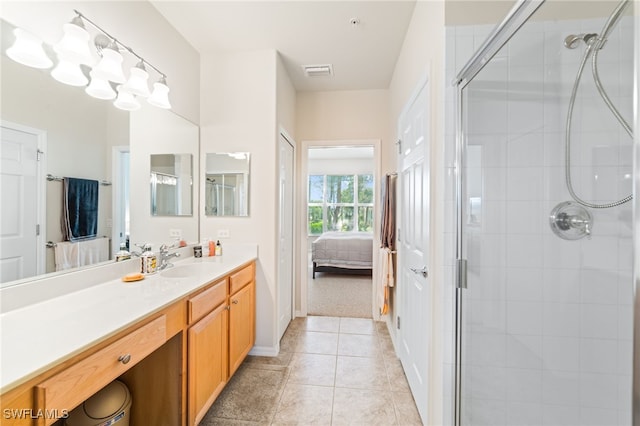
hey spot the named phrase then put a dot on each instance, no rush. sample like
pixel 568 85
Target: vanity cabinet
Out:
pixel 241 325
pixel 175 361
pixel 219 341
pixel 72 386
pixel 208 353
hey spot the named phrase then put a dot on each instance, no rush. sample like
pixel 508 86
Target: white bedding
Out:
pixel 351 250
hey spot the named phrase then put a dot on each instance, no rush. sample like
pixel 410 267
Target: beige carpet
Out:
pixel 339 295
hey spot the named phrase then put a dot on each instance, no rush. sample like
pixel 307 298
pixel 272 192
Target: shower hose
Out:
pixel 594 45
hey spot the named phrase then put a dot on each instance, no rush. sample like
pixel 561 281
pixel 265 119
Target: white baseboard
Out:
pixel 265 351
pixel 300 314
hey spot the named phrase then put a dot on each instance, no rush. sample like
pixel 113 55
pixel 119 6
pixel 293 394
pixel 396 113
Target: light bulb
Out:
pixel 27 50
pixel 100 88
pixel 74 45
pixel 137 83
pixel 160 96
pixel 126 101
pixel 69 73
pixel 110 65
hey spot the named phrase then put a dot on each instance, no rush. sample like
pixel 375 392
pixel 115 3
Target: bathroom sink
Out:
pixel 182 271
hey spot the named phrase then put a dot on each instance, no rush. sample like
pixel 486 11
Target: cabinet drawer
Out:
pixel 203 303
pixel 242 278
pixel 69 388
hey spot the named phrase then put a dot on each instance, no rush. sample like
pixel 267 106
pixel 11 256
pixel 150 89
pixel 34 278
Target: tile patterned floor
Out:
pixel 330 371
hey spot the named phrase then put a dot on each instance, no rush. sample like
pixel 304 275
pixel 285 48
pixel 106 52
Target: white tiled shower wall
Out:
pixel 548 322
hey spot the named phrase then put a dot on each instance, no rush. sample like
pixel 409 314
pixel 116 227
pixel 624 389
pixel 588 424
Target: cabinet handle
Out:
pixel 234 301
pixel 228 308
pixel 124 358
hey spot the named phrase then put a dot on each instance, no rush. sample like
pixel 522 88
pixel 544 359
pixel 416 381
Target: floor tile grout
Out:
pixel 372 388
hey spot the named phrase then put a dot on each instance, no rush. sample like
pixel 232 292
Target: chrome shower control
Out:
pixel 571 221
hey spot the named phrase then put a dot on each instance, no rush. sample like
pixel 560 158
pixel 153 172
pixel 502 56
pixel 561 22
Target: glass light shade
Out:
pixel 100 88
pixel 110 66
pixel 160 96
pixel 126 101
pixel 27 50
pixel 137 83
pixel 74 45
pixel 69 73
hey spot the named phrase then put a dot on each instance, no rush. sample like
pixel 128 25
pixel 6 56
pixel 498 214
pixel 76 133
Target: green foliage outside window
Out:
pixel 340 203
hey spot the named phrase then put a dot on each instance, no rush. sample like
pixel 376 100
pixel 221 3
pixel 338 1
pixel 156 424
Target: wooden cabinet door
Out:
pixel 208 361
pixel 242 325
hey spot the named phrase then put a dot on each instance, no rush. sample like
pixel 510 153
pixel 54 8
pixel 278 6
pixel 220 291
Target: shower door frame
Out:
pixel 515 19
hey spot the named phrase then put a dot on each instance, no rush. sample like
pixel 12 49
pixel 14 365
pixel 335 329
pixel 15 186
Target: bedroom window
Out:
pixel 341 203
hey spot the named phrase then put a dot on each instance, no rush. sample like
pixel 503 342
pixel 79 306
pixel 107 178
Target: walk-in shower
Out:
pixel 542 330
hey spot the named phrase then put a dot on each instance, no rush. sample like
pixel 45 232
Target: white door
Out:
pixel 19 212
pixel 413 238
pixel 285 236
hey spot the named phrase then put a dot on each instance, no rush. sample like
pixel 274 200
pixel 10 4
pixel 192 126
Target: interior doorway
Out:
pixel 339 205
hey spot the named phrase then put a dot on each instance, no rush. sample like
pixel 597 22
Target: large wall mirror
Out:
pixel 227 184
pixel 79 136
pixel 171 184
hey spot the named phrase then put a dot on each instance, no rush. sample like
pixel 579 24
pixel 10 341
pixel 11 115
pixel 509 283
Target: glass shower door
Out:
pixel 546 318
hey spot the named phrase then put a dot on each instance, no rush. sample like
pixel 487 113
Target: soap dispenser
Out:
pixel 148 260
pixel 218 248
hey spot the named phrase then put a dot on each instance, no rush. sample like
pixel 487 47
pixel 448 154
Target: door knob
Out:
pixel 422 271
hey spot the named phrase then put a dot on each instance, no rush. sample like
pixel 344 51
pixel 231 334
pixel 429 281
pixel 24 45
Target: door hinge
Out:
pixel 398 322
pixel 37 229
pixel 39 154
pixel 399 143
pixel 461 273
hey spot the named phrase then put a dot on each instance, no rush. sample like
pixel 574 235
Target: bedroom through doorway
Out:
pixel 340 228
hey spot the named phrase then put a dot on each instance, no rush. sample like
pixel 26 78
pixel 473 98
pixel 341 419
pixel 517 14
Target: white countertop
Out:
pixel 36 337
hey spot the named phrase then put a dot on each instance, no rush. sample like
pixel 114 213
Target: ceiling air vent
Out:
pixel 318 70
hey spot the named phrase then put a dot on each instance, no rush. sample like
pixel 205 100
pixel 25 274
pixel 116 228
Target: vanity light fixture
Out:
pixel 75 58
pixel 69 73
pixel 138 81
pixel 126 100
pixel 74 45
pixel 110 65
pixel 160 96
pixel 100 88
pixel 27 50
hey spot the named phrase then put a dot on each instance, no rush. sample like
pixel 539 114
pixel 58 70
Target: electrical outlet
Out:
pixel 223 233
pixel 175 233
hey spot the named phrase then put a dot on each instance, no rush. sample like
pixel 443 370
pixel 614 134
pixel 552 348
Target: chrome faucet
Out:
pixel 165 256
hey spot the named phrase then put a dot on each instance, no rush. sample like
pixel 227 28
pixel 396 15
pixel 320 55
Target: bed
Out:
pixel 343 252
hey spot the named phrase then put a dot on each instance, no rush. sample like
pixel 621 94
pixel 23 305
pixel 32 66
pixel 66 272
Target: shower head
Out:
pixel 572 40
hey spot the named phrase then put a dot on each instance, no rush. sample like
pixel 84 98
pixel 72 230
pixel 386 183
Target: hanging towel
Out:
pixel 387 242
pixel 66 255
pixel 72 255
pixel 79 209
pixel 387 279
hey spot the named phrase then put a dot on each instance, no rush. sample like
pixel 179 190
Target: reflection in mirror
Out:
pixel 71 134
pixel 171 185
pixel 227 184
pixel 65 133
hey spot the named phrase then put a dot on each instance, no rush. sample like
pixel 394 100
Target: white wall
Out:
pixel 335 116
pixel 339 115
pixel 238 113
pixel 423 53
pixel 158 131
pixel 340 166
